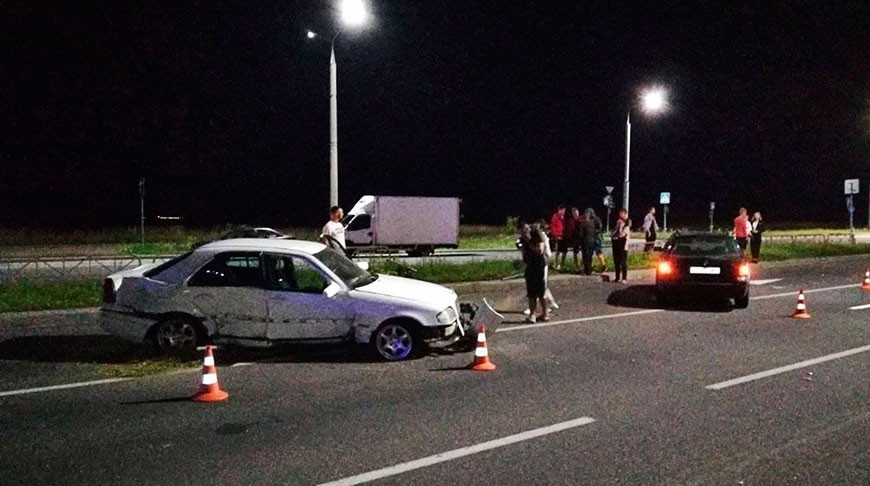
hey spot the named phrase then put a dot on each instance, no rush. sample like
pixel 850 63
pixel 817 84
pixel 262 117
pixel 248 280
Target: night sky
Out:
pixel 511 106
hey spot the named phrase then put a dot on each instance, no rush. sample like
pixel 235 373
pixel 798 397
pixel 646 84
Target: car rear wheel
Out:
pixel 395 340
pixel 662 298
pixel 175 335
pixel 741 302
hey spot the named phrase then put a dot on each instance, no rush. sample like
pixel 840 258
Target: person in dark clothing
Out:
pixel 755 236
pixel 586 228
pixel 569 238
pixel 534 246
pixel 619 237
pixel 599 251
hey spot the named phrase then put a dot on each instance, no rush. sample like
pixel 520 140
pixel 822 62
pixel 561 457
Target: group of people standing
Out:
pixel 748 232
pixel 580 233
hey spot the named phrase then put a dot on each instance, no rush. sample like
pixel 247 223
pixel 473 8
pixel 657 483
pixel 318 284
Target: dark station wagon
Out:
pixel 702 264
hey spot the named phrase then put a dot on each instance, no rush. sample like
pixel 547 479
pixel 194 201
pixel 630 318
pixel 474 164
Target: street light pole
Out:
pixel 625 183
pixel 653 101
pixel 352 13
pixel 333 126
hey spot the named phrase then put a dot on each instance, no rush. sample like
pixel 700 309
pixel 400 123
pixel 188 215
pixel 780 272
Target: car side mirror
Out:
pixel 363 265
pixel 331 290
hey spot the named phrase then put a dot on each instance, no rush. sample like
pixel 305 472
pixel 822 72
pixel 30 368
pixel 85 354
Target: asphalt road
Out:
pixel 612 391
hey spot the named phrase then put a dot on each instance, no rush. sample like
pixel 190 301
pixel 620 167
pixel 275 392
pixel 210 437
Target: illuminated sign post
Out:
pixel 665 199
pixel 851 188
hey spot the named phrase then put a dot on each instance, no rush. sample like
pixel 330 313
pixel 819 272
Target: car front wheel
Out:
pixel 395 341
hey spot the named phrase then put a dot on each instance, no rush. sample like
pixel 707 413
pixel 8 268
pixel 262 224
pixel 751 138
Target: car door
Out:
pixel 298 308
pixel 230 291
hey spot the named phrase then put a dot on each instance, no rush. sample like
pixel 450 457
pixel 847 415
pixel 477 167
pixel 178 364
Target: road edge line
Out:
pixel 458 453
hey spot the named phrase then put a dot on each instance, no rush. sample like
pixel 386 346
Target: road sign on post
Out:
pixel 608 203
pixel 142 208
pixel 851 187
pixel 712 209
pixel 665 199
pixel 609 189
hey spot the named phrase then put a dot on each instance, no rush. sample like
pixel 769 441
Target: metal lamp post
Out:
pixel 653 101
pixel 352 13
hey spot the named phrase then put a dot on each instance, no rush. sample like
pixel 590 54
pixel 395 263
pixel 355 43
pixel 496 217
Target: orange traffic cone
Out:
pixel 866 284
pixel 209 391
pixel 801 311
pixel 481 354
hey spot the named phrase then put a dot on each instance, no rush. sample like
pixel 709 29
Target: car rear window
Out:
pixel 705 246
pixel 154 272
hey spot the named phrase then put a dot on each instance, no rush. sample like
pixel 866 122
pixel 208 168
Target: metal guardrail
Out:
pixel 47 269
pixel 817 238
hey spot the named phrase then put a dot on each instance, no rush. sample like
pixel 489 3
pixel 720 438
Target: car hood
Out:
pixel 406 288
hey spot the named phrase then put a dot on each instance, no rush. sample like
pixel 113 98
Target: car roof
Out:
pixel 681 234
pixel 261 244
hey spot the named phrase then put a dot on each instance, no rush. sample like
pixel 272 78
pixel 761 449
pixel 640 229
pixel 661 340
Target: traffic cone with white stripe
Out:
pixel 801 311
pixel 481 354
pixel 209 391
pixel 866 284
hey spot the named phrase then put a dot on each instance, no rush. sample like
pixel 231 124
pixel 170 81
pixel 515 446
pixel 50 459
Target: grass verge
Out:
pixel 26 296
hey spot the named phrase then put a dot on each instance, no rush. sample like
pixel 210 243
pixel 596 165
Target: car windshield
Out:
pixel 347 270
pixel 705 246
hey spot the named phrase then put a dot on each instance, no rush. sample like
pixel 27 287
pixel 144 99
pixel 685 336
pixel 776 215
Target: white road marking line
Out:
pixel 860 307
pixel 653 311
pixel 764 281
pixel 581 319
pixel 236 365
pixel 784 369
pixel 62 387
pixel 457 453
pixel 811 291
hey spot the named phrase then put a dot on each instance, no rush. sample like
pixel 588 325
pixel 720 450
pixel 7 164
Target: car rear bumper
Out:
pixel 125 325
pixel 713 289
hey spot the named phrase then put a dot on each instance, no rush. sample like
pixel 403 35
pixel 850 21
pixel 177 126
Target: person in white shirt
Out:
pixel 650 227
pixel 333 231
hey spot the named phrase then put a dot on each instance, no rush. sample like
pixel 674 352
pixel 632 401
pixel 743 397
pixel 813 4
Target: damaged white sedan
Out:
pixel 257 292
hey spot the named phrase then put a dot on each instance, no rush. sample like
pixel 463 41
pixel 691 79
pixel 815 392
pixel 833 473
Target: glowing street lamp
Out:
pixel 652 101
pixel 351 13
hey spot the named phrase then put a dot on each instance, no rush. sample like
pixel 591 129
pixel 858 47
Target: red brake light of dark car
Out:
pixel 743 271
pixel 665 268
pixel 108 291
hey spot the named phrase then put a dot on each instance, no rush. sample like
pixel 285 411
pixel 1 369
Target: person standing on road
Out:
pixel 756 229
pixel 522 243
pixel 333 231
pixel 650 227
pixel 619 238
pixel 587 240
pixel 557 231
pixel 741 230
pixel 599 251
pixel 569 229
pixel 534 245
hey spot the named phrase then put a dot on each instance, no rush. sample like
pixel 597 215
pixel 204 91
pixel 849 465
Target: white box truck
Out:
pixel 417 225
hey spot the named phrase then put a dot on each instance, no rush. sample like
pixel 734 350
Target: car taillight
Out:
pixel 743 270
pixel 665 268
pixel 108 291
